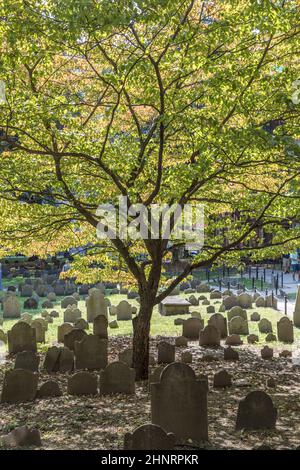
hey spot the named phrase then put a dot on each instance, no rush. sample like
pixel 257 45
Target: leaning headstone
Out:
pixel 28 360
pixel 166 353
pixel 222 379
pixel 49 389
pixel 265 326
pixel 22 436
pixel 63 330
pixel 90 353
pixel 285 331
pixel 191 328
pixel 149 437
pixel 179 403
pixel 83 383
pixel 95 304
pixel 100 325
pixel 220 323
pixel 209 336
pixel 75 335
pixel 19 386
pixel 11 306
pixel 256 411
pixel 117 377
pixel 21 338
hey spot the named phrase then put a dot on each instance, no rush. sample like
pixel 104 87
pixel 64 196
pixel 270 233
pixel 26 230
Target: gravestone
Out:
pixel 19 386
pixel 181 342
pixel 296 314
pixel 72 314
pixel 285 331
pixel 222 379
pixel 210 309
pixel 83 383
pixel 90 353
pixel 82 324
pixel 113 310
pixel 22 436
pixel 233 340
pixel 49 389
pixel 186 357
pixel 255 316
pixel 66 360
pixel 69 300
pixel 209 336
pixel 75 335
pixel 230 354
pixel 27 360
pixel 166 353
pixel 179 403
pixel 271 301
pixel 113 324
pixel 100 325
pixel 149 437
pixel 193 301
pixel 256 411
pixel 26 291
pixel 265 326
pixel 124 310
pixel 21 338
pixel 11 306
pixel 47 304
pixel 238 326
pixel 95 304
pixel 62 330
pixel 117 377
pixel 191 328
pixel 244 300
pixel 260 302
pixel 236 311
pixel 31 304
pixel 215 294
pixel 252 339
pixel 266 352
pixel 39 331
pixel 220 323
pixel 229 302
pixel 203 288
pixel 126 356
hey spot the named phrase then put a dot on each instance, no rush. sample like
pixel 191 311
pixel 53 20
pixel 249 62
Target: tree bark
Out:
pixel 141 337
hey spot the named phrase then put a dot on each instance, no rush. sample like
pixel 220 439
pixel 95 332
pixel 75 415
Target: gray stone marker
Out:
pixel 256 411
pixel 49 389
pixel 72 314
pixel 166 353
pixel 83 383
pixel 59 359
pixel 265 326
pixel 124 311
pixel 285 330
pixel 238 326
pixel 22 436
pixel 220 323
pixel 237 311
pixel 69 300
pixel 82 324
pixel 100 325
pixel 19 386
pixel 179 403
pixel 222 379
pixel 63 330
pixel 126 356
pixel 75 335
pixel 117 377
pixel 95 304
pixel 11 306
pixel 90 353
pixel 21 338
pixel 209 336
pixel 191 328
pixel 28 360
pixel 149 437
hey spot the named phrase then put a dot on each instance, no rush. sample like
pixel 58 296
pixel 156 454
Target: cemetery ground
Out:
pixel 100 422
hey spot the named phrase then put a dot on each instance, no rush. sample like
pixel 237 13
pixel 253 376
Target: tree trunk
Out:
pixel 141 336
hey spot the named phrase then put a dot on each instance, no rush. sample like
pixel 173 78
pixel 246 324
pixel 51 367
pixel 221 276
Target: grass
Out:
pixel 160 325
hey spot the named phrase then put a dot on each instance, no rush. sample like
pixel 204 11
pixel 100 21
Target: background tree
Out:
pixel 159 101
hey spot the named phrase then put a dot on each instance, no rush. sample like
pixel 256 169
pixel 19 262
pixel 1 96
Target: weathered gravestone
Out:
pixel 95 304
pixel 59 359
pixel 209 336
pixel 39 331
pixel 215 294
pixel 21 338
pixel 233 340
pixel 11 306
pixel 255 316
pixel 285 331
pixel 186 357
pixel 230 301
pixel 149 437
pixel 244 300
pixel 265 326
pixel 296 314
pixel 124 311
pixel 166 353
pixel 181 341
pixel 222 379
pixel 191 328
pixel 236 311
pixel 117 377
pixel 90 353
pixel 82 324
pixel 126 356
pixel 260 302
pixel 179 403
pixel 49 389
pixel 31 304
pixel 19 386
pixel 230 354
pixel 69 300
pixel 26 291
pixel 75 335
pixel 83 383
pixel 220 323
pixel 266 352
pixel 100 325
pixel 62 330
pixel 23 436
pixel 238 326
pixel 28 360
pixel 72 314
pixel 256 411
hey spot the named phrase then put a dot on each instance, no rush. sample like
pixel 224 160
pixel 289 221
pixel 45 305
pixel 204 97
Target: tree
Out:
pixel 165 101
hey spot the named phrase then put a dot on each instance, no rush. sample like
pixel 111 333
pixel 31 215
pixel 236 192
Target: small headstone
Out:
pixel 113 324
pixel 149 437
pixel 285 330
pixel 49 389
pixel 191 328
pixel 11 306
pixel 255 316
pixel 270 338
pixel 95 304
pixel 233 340
pixel 252 339
pixel 117 377
pixel 238 326
pixel 265 326
pixel 22 436
pixel 39 331
pixel 209 336
pixel 83 383
pixel 166 353
pixel 222 379
pixel 266 352
pixel 236 312
pixel 28 360
pixel 69 300
pixel 126 356
pixel 63 330
pixel 124 311
pixel 218 321
pixel 19 385
pixel 230 354
pixel 181 341
pixel 72 314
pixel 75 335
pixel 100 325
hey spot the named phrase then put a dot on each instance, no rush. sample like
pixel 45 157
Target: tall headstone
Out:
pixel 11 306
pixel 95 304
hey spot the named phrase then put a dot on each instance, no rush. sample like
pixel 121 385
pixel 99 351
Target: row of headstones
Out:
pixel 237 324
pixel 240 299
pixel 178 398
